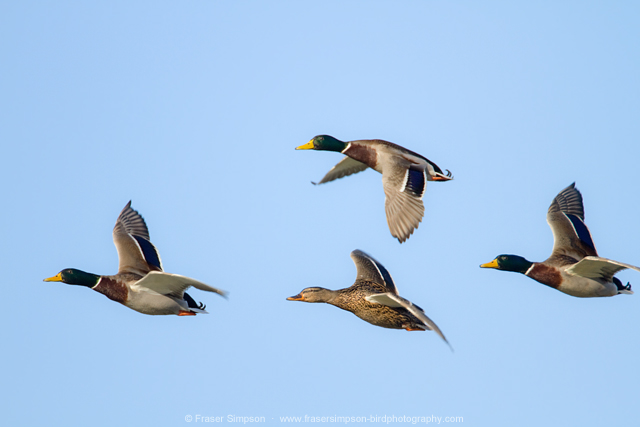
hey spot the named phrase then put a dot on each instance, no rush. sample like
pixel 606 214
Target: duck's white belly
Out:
pixel 586 288
pixel 153 303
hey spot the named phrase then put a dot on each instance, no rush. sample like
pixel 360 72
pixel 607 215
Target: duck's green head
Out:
pixel 71 276
pixel 314 294
pixel 324 142
pixel 509 263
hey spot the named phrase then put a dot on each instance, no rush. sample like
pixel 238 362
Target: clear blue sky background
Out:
pixel 193 109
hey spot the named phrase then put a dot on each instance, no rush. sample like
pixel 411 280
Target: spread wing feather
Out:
pixel 371 270
pixel 598 268
pixel 393 300
pixel 403 203
pixel 172 284
pixel 571 236
pixel 136 253
pixel 345 167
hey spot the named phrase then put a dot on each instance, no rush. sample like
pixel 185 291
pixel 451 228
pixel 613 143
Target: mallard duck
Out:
pixel 574 266
pixel 140 284
pixel 373 298
pixel 404 176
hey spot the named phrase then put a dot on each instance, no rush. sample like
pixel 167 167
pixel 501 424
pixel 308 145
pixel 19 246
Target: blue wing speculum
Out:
pixel 416 182
pixel 581 230
pixel 149 251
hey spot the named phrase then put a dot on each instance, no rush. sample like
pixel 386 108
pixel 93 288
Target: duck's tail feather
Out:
pixel 193 305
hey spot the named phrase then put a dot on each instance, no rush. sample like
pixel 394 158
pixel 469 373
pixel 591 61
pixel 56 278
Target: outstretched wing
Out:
pixel 393 300
pixel 371 270
pixel 571 236
pixel 598 268
pixel 345 167
pixel 172 284
pixel 135 251
pixel 404 186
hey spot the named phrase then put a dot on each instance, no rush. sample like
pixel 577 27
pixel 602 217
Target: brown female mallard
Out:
pixel 373 298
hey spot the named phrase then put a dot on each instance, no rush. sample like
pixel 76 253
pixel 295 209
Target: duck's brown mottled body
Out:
pixel 353 299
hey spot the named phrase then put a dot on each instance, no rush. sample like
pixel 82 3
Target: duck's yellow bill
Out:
pixel 492 264
pixel 56 278
pixel 298 297
pixel 307 146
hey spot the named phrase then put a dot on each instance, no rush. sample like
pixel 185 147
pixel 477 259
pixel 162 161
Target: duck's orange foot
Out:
pixel 186 313
pixel 441 177
pixel 417 329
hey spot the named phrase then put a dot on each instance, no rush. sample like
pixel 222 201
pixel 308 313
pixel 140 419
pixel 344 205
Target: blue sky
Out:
pixel 192 110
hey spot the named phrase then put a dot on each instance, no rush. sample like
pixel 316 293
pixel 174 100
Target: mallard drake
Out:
pixel 373 298
pixel 574 266
pixel 404 176
pixel 140 284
